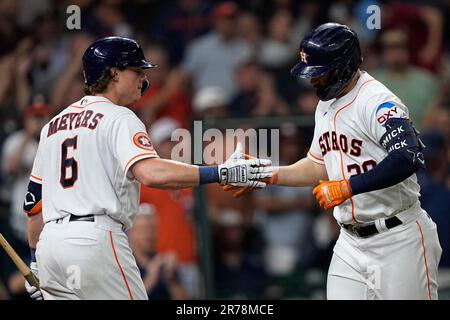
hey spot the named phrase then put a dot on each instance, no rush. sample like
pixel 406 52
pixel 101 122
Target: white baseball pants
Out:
pixel 398 264
pixel 88 261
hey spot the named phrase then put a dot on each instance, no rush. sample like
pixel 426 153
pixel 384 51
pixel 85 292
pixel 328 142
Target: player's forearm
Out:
pixel 166 174
pixel 303 173
pixel 34 228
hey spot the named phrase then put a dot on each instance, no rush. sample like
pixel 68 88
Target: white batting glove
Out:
pixel 34 292
pixel 238 172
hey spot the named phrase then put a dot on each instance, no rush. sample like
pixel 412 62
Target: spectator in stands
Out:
pixel 159 271
pixel 70 84
pixel 107 18
pixel 423 23
pixel 238 274
pixel 6 81
pixel 10 30
pixel 46 62
pixel 250 29
pixel 278 52
pixel 416 87
pixel 179 23
pixel 167 95
pixel 211 59
pixel 210 103
pixel 256 93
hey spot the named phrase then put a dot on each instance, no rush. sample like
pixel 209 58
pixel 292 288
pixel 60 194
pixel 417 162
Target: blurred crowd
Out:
pixel 220 60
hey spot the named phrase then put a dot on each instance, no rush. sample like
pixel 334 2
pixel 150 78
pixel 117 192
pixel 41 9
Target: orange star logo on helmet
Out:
pixel 303 56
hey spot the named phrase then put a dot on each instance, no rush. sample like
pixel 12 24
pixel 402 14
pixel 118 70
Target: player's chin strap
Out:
pixel 145 86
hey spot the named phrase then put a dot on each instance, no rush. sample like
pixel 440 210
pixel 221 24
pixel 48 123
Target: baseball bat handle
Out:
pixel 32 279
pixel 23 268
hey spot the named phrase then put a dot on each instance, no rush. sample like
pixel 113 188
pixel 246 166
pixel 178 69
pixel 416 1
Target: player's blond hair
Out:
pixel 100 85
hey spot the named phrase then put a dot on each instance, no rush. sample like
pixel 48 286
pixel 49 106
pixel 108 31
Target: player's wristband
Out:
pixel 33 254
pixel 208 174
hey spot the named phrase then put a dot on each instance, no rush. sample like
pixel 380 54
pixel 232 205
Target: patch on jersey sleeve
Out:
pixel 388 110
pixel 142 140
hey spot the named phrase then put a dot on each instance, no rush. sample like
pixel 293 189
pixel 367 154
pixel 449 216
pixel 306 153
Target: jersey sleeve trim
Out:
pixel 138 157
pixel 315 158
pixel 35 179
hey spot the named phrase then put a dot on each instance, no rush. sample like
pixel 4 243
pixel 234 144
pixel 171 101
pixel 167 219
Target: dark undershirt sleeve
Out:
pixel 391 170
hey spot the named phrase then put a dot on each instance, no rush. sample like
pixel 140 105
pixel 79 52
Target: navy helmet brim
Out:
pixel 142 64
pixel 302 70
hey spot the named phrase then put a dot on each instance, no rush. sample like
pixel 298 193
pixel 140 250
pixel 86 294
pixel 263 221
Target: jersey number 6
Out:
pixel 68 163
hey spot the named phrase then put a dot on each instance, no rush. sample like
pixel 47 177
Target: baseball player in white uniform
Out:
pixel 363 160
pixel 84 186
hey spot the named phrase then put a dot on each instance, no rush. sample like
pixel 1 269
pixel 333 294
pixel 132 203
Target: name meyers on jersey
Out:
pixel 327 144
pixel 74 120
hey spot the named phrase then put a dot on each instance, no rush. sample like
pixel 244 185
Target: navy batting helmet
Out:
pixel 331 49
pixel 112 52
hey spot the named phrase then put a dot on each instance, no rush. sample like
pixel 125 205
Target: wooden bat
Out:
pixel 23 268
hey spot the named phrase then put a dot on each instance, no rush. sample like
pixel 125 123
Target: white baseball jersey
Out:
pixel 346 140
pixel 84 157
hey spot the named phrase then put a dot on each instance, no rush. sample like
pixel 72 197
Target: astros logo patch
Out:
pixel 142 140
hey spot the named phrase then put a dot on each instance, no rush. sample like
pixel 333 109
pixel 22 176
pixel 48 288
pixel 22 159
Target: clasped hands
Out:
pixel 244 174
pixel 242 171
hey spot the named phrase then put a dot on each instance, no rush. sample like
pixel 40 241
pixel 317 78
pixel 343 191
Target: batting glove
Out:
pixel 240 191
pixel 34 292
pixel 332 193
pixel 240 172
